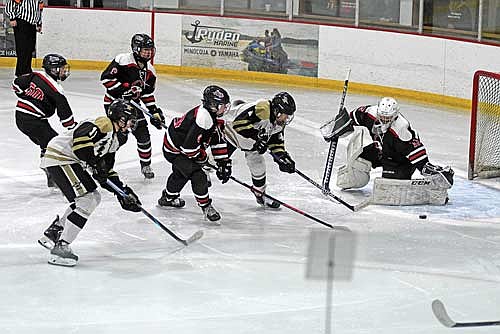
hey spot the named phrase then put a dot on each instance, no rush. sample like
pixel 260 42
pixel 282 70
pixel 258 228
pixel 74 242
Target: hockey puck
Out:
pixel 422 216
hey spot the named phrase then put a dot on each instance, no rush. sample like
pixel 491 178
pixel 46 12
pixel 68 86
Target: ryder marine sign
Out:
pixel 252 45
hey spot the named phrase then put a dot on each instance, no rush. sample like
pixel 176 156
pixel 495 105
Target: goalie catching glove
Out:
pixel 224 169
pixel 157 119
pixel 285 162
pixel 338 127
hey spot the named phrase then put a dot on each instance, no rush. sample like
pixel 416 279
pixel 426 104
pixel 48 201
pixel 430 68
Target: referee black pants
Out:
pixel 25 36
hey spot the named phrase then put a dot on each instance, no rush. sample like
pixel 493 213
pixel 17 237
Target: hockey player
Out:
pixel 93 144
pixel 131 76
pixel 256 127
pixel 185 144
pixel 40 95
pixel 397 148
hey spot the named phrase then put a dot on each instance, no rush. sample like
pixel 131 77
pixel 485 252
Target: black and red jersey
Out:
pixel 123 73
pixel 194 132
pixel 400 143
pixel 40 96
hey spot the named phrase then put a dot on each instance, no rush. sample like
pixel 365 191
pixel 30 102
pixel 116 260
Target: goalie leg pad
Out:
pixel 407 192
pixel 355 174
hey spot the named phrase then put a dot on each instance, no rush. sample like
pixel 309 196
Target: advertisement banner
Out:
pixel 262 46
pixel 7 43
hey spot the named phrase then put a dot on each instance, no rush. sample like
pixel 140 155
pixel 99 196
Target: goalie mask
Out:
pixel 387 111
pixel 143 47
pixel 56 66
pixel 282 109
pixel 216 100
pixel 124 114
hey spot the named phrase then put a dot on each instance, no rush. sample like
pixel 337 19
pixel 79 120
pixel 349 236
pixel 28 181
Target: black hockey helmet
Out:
pixel 282 103
pixel 56 66
pixel 123 113
pixel 142 41
pixel 214 97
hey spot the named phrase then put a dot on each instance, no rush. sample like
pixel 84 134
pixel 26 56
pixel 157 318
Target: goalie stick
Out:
pixel 440 312
pixel 326 192
pixel 333 144
pixel 196 236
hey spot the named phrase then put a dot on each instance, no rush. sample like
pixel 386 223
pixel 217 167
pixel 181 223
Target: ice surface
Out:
pixel 248 275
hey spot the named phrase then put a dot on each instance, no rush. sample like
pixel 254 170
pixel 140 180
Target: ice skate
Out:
pixel 209 212
pixel 51 235
pixel 62 255
pixel 175 202
pixel 265 202
pixel 147 171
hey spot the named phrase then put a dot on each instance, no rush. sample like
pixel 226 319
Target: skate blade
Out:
pixel 46 243
pixel 213 222
pixel 59 261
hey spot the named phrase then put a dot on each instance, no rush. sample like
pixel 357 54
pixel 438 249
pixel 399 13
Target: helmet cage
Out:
pixel 387 110
pixel 282 104
pixel 216 100
pixel 56 66
pixel 140 43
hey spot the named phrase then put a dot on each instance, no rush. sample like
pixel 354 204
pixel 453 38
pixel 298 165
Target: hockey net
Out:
pixel 484 146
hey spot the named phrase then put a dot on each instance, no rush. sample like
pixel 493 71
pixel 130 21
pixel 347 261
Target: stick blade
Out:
pixel 441 314
pixel 195 237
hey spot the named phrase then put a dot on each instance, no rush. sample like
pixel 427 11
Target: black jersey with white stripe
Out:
pixel 40 96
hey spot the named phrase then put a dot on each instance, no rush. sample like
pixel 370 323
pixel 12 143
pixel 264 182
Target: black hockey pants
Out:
pixel 38 130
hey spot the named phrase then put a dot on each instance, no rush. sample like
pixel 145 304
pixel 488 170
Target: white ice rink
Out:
pixel 248 275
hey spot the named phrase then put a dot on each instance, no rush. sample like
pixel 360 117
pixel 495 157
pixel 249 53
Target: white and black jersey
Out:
pixel 40 96
pixel 123 73
pixel 90 141
pixel 400 143
pixel 246 122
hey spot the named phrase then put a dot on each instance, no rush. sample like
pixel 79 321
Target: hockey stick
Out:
pixel 333 144
pixel 323 190
pixel 144 110
pixel 443 317
pixel 281 202
pixel 196 236
pixel 329 193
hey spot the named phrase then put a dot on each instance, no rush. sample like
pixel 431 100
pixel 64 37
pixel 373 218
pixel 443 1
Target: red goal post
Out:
pixel 484 145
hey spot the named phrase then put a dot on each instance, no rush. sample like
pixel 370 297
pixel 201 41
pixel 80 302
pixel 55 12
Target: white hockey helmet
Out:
pixel 387 110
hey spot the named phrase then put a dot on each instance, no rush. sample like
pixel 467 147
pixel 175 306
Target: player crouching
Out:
pixel 92 143
pixel 397 148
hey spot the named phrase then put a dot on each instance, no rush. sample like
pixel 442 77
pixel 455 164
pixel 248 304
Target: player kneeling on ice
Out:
pixel 185 144
pixel 397 148
pixel 93 144
pixel 256 127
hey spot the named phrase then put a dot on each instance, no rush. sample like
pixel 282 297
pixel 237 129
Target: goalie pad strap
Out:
pixel 408 192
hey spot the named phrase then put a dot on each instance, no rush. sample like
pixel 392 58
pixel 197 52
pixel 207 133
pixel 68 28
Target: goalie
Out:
pixel 395 147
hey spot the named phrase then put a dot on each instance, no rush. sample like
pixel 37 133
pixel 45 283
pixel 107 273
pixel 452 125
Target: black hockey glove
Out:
pixel 285 162
pixel 130 202
pixel 158 120
pixel 261 143
pixel 224 170
pixel 100 171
